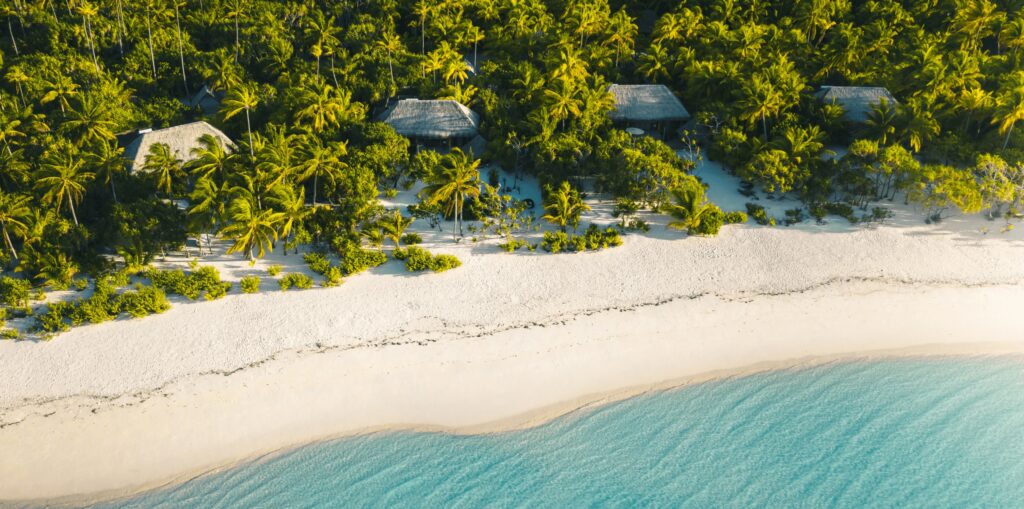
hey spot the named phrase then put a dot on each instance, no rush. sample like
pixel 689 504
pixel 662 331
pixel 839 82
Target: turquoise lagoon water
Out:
pixel 941 432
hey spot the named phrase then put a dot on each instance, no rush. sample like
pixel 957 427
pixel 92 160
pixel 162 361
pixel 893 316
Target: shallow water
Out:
pixel 940 432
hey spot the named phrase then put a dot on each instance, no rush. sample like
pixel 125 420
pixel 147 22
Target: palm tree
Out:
pixel 108 160
pixel 451 183
pixel 564 207
pixel 208 204
pixel 291 203
pixel 690 208
pixel 62 178
pixel 882 121
pixel 326 106
pixel 210 159
pixel 8 11
pixel 178 4
pixel 14 211
pixel 323 32
pixel 16 76
pixel 10 128
pixel 394 225
pixel 61 89
pixel 241 99
pixel 253 230
pixel 155 11
pixel 562 102
pixel 163 166
pixel 88 11
pixel 759 100
pixel 1011 105
pixel 321 160
pixel 390 43
pixel 90 121
pixel 622 33
pixel 652 63
pixel 918 123
pixel 236 10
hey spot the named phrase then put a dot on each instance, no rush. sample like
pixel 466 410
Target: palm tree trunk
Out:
pixel 764 124
pixel 334 76
pixel 92 45
pixel 1008 133
pixel 10 31
pixel 152 58
pixel 248 126
pixel 120 27
pixel 181 50
pixel 113 189
pixel 316 181
pixel 10 245
pixel 236 36
pixel 71 205
pixel 391 69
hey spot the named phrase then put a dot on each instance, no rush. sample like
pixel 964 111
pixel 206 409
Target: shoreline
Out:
pixel 564 410
pixel 504 342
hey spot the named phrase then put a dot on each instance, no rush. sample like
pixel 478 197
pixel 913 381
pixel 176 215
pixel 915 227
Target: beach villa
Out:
pixel 205 100
pixel 653 108
pixel 180 138
pixel 440 124
pixel 856 101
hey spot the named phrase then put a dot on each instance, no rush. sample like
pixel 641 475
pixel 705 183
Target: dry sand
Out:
pixel 505 341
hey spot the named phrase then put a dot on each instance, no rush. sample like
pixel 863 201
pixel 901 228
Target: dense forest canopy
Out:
pixel 300 81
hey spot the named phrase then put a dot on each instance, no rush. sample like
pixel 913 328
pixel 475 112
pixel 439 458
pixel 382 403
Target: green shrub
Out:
pixel 760 215
pixel 555 242
pixel 202 280
pixel 354 259
pixel 332 276
pixel 794 216
pixel 443 262
pixel 611 238
pixel 80 284
pixel 417 259
pixel 735 217
pixel 250 284
pixel 578 243
pixel 711 223
pixel 295 280
pixel 843 210
pixel 147 300
pixel 56 317
pixel 514 244
pixel 96 309
pixel 15 292
pixel 10 334
pixel 317 262
pixel 274 270
pixel 411 239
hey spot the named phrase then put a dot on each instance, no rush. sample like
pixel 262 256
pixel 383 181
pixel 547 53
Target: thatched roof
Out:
pixel 180 138
pixel 205 99
pixel 432 119
pixel 856 101
pixel 646 103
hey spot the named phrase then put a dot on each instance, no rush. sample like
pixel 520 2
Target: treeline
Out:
pixel 300 80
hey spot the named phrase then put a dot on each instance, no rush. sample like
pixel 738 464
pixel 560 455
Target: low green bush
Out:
pixel 711 222
pixel 332 276
pixel 760 215
pixel 735 217
pixel 250 284
pixel 295 280
pixel 15 292
pixel 317 262
pixel 418 259
pixel 411 239
pixel 144 301
pixel 274 270
pixel 201 282
pixel 353 259
pixel 10 334
pixel 555 242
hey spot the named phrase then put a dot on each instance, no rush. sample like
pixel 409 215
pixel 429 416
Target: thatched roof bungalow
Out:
pixel 856 101
pixel 432 120
pixel 205 99
pixel 180 138
pixel 650 107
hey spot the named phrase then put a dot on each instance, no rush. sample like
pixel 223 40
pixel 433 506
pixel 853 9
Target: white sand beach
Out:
pixel 505 341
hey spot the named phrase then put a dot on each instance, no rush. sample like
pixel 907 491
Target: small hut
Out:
pixel 180 138
pixel 653 108
pixel 437 123
pixel 856 101
pixel 205 100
